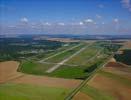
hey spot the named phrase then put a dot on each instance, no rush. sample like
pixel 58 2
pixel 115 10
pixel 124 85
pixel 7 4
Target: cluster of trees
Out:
pixel 125 57
pixel 109 47
pixel 10 48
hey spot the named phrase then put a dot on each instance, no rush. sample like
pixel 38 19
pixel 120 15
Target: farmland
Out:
pixel 61 69
pixel 78 64
pixel 112 82
pixel 18 86
pixel 109 84
pixel 31 92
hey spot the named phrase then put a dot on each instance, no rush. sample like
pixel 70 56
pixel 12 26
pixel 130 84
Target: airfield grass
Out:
pixel 62 56
pixel 83 57
pixel 65 71
pixel 80 71
pixel 12 91
pixel 36 68
pixel 77 72
pixel 96 94
pixel 68 72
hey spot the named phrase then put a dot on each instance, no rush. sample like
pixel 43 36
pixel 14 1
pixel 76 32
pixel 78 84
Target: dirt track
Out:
pixel 8 73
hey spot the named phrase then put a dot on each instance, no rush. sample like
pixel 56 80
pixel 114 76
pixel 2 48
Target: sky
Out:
pixel 108 17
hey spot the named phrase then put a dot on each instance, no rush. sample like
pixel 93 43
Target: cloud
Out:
pixel 87 26
pixel 103 23
pixel 81 23
pixel 126 4
pixel 116 20
pixel 24 19
pixel 88 21
pixel 101 6
pixel 61 24
pixel 47 23
pixel 98 16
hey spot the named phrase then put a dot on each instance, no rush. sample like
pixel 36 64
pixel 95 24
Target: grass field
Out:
pixel 11 91
pixel 82 58
pixel 32 67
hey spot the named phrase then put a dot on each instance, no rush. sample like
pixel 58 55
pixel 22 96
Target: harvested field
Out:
pixel 31 87
pixel 113 82
pixel 47 81
pixel 8 70
pixel 127 45
pixel 119 69
pixel 118 90
pixel 115 64
pixel 81 96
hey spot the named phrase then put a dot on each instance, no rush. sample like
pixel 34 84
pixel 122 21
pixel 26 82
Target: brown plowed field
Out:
pixel 114 88
pixel 8 73
pixel 47 81
pixel 8 70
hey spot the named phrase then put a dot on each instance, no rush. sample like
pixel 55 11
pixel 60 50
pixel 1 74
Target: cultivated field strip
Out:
pixel 65 60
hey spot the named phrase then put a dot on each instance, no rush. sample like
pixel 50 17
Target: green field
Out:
pixel 32 67
pixel 11 91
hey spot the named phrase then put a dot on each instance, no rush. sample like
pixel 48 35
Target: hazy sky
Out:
pixel 65 16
